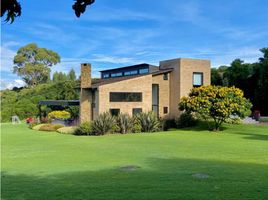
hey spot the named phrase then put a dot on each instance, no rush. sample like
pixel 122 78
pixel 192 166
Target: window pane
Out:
pixel 115 111
pixel 136 111
pixel 125 96
pixel 144 71
pixel 197 79
pixel 116 74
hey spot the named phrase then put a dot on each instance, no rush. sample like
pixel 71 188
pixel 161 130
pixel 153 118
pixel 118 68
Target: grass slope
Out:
pixel 40 165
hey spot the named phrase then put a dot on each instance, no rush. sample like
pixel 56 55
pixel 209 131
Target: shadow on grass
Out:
pixel 203 126
pixel 253 136
pixel 166 179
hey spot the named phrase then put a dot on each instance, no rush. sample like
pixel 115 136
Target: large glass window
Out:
pixel 144 71
pixel 125 97
pixel 197 79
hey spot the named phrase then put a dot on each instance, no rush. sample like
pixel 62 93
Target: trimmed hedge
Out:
pixel 67 130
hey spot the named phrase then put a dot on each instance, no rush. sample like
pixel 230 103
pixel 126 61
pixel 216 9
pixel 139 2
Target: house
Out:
pixel 141 88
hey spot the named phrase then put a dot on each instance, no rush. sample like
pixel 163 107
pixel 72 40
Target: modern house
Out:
pixel 141 88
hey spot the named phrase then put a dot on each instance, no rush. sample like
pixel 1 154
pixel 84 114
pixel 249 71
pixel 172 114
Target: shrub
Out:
pixel 148 122
pixel 186 119
pixel 33 124
pixel 125 123
pixel 167 124
pixel 67 130
pixel 50 127
pixel 37 127
pixel 57 126
pixel 84 128
pixel 103 124
pixel 136 128
pixel 59 115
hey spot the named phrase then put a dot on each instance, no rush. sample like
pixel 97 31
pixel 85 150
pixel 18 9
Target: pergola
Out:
pixel 62 103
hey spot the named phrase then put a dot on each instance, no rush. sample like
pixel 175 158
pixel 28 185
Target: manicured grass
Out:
pixel 39 165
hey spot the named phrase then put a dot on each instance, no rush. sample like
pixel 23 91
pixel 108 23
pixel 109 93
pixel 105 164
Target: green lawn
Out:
pixel 40 165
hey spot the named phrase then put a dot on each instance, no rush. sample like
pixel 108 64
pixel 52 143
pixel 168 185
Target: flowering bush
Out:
pixel 59 114
pixel 216 103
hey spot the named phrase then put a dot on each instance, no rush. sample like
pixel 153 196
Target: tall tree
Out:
pixel 12 8
pixel 72 75
pixel 33 63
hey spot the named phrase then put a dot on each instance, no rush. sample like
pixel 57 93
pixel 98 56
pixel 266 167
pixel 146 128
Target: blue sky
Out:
pixel 115 33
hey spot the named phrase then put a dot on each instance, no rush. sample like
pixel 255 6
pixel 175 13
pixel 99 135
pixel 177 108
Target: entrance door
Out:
pixel 155 99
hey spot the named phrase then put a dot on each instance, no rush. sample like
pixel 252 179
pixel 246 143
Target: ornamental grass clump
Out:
pixel 216 104
pixel 148 122
pixel 104 124
pixel 84 128
pixel 125 123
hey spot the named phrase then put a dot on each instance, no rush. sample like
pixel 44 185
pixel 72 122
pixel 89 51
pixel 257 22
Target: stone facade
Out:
pixel 174 78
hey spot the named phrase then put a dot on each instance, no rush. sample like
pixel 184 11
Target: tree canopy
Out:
pixel 252 78
pixel 33 63
pixel 216 103
pixel 12 8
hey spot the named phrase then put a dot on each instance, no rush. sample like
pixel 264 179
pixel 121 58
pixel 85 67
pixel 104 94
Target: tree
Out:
pixel 33 63
pixel 12 8
pixel 216 78
pixel 216 103
pixel 72 75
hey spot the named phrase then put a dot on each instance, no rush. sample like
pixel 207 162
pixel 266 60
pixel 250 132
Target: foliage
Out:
pixel 32 125
pixel 12 8
pixel 24 102
pixel 38 126
pixel 50 127
pixel 125 123
pixel 84 129
pixel 217 103
pixel 148 121
pixel 252 78
pixel 186 119
pixel 33 64
pixel 167 124
pixel 136 128
pixel 59 114
pixel 67 130
pixel 103 124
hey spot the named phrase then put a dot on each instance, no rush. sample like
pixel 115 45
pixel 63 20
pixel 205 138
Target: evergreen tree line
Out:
pixel 252 78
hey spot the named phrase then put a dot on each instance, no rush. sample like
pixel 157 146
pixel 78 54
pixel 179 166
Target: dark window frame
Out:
pixel 125 97
pixel 165 110
pixel 165 76
pixel 135 112
pixel 115 109
pixel 202 78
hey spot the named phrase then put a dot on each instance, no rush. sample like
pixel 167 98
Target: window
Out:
pixel 144 71
pixel 165 76
pixel 117 74
pixel 106 75
pixel 133 72
pixel 125 97
pixel 165 110
pixel 197 79
pixel 136 111
pixel 115 111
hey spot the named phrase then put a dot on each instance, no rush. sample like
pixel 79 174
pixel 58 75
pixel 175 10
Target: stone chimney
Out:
pixel 85 94
pixel 85 75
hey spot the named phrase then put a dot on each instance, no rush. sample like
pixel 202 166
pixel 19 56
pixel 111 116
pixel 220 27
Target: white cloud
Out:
pixel 9 84
pixel 7 55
